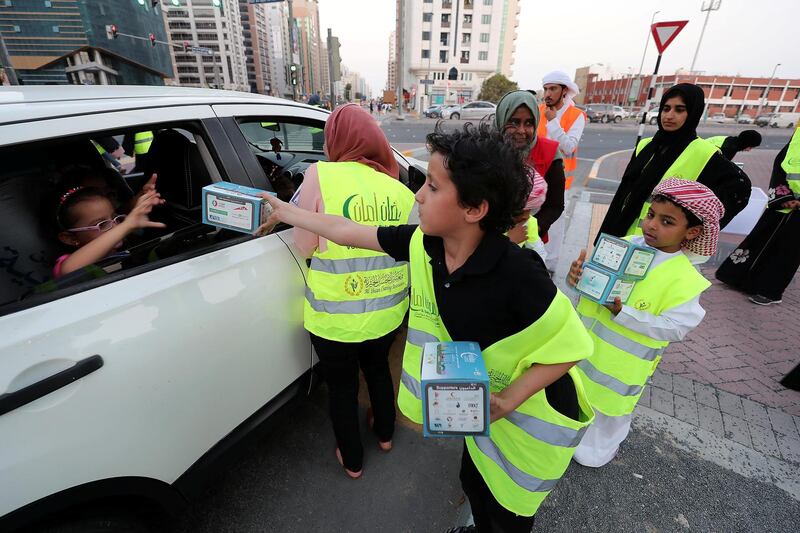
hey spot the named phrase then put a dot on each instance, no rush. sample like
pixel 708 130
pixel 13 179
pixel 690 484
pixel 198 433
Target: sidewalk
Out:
pixel 721 384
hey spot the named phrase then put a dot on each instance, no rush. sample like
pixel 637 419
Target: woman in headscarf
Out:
pixel 517 116
pixel 675 151
pixel 355 299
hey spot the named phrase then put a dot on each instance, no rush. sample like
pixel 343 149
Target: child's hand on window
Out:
pixel 139 215
pixel 576 269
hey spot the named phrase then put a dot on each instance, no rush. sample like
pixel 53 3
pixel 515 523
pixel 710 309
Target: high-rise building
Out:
pixel 391 75
pixel 256 46
pixel 447 48
pixel 306 13
pixel 279 49
pixel 65 41
pixel 214 38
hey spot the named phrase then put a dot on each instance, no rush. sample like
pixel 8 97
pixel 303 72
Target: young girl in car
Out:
pixel 88 222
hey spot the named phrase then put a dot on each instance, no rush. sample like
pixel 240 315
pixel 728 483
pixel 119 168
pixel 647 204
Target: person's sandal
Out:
pixel 385 446
pixel 350 473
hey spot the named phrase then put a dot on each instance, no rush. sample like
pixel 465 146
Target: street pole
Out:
pixel 713 5
pixel 290 55
pixel 5 62
pixel 646 42
pixel 650 93
pixel 400 46
pixel 766 92
pixel 330 67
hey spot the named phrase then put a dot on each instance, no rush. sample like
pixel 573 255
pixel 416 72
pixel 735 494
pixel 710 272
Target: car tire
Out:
pixel 489 118
pixel 617 119
pixel 454 116
pixel 791 125
pixel 605 119
pixel 654 121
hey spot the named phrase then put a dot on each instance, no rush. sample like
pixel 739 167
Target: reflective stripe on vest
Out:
pixel 142 142
pixel 791 165
pixel 615 375
pixel 523 479
pixel 687 166
pixel 353 295
pixel 569 117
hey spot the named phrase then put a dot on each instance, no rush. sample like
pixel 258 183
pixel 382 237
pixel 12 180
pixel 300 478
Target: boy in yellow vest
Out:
pixel 469 282
pixel 682 221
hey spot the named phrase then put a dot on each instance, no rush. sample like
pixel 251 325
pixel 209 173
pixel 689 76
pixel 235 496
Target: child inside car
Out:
pixel 88 221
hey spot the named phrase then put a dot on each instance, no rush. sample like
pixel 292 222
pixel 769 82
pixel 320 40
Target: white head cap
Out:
pixel 562 78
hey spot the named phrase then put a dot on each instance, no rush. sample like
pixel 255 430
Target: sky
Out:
pixel 744 37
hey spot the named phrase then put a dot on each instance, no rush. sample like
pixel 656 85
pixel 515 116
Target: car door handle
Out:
pixel 12 400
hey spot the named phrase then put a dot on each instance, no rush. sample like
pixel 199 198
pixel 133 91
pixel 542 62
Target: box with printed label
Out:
pixel 455 390
pixel 236 207
pixel 613 269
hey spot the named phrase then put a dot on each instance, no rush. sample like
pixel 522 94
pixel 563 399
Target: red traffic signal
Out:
pixel 152 39
pixel 111 31
pixel 185 46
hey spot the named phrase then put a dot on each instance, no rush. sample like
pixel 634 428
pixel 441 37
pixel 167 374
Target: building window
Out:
pixel 484 37
pixel 444 38
pixel 467 4
pixel 447 4
pixel 483 56
pixel 445 20
pixel 427 17
pixel 55 29
pixel 465 56
pixel 426 54
pixel 428 1
pixel 426 36
pixel 466 38
pixel 467 19
pixel 442 56
pixel 487 2
pixel 486 19
pixel 48 3
pixel 16 29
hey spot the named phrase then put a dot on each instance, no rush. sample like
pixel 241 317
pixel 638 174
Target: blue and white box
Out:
pixel 230 206
pixel 455 390
pixel 613 269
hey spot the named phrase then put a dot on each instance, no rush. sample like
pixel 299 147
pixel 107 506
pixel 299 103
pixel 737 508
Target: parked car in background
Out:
pixel 721 118
pixel 605 113
pixel 762 120
pixel 434 111
pixel 476 110
pixel 784 120
pixel 124 383
pixel 744 119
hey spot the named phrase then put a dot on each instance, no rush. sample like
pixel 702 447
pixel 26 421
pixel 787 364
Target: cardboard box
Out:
pixel 613 269
pixel 230 206
pixel 455 390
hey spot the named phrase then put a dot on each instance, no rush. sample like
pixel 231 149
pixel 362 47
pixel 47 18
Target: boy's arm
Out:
pixel 671 325
pixel 334 228
pixel 536 378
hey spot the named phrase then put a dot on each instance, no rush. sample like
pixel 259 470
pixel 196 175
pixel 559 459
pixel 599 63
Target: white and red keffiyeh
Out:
pixel 701 202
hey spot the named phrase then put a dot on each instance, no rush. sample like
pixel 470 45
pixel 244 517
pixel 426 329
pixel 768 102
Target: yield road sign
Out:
pixel 665 32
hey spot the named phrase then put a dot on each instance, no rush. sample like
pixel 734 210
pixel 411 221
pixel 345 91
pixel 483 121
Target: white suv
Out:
pixel 130 377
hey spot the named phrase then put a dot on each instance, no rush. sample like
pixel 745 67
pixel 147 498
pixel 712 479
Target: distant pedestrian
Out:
pixel 371 108
pixel 675 150
pixel 683 218
pixel 764 263
pixel 730 145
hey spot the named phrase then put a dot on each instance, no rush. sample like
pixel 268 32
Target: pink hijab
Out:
pixel 351 134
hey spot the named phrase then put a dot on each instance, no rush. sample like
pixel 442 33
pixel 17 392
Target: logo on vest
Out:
pixel 354 284
pixel 793 161
pixel 641 305
pixel 360 209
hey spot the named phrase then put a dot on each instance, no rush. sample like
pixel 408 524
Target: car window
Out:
pixel 36 231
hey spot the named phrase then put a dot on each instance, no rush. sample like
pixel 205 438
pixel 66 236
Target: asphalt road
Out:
pixel 598 139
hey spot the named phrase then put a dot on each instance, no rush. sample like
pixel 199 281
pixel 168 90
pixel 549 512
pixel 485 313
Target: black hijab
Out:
pixel 647 168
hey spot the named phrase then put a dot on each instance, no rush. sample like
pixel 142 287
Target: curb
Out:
pixel 596 166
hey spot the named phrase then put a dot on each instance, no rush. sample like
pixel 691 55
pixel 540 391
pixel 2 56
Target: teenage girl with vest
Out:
pixel 469 282
pixel 764 264
pixel 355 299
pixel 675 151
pixel 683 217
pixel 517 117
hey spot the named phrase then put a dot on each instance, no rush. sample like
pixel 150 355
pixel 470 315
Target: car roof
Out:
pixel 23 103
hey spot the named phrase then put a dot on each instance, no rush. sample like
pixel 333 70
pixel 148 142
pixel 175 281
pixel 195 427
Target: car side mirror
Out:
pixel 416 177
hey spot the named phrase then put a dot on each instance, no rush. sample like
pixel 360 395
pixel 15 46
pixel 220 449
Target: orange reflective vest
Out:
pixel 567 120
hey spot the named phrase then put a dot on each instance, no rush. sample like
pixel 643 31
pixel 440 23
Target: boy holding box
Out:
pixel 469 282
pixel 682 221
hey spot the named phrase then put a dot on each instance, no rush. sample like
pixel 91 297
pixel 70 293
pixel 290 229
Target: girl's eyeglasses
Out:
pixel 102 226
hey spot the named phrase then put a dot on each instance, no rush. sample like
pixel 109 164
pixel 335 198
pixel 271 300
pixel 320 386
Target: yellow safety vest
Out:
pixel 791 165
pixel 353 295
pixel 687 166
pixel 615 375
pixel 533 231
pixel 100 149
pixel 717 140
pixel 530 448
pixel 142 141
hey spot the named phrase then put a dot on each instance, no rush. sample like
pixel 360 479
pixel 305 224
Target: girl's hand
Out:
pixel 576 269
pixel 279 208
pixel 139 215
pixel 616 307
pixel 498 406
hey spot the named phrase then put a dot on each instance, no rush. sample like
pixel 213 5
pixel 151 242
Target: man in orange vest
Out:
pixel 562 122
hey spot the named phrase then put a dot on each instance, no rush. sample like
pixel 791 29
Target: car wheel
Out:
pixel 791 125
pixel 489 118
pixel 454 116
pixel 605 119
pixel 617 119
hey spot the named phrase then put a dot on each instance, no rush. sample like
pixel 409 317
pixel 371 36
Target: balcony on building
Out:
pixel 465 57
pixel 468 4
pixel 447 4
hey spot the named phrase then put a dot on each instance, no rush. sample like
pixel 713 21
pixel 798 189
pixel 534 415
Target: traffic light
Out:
pixel 293 73
pixel 111 31
pixel 152 38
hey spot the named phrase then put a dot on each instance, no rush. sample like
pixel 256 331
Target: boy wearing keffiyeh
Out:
pixel 682 224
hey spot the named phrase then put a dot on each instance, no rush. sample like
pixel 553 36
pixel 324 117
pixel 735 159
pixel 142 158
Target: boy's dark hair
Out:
pixel 483 166
pixel 65 218
pixel 690 217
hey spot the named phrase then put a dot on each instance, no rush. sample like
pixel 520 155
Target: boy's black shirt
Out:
pixel 500 290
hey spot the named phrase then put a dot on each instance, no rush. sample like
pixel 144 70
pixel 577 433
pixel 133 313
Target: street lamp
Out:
pixel 713 5
pixel 766 91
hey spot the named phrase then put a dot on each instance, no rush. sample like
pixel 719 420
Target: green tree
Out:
pixel 495 87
